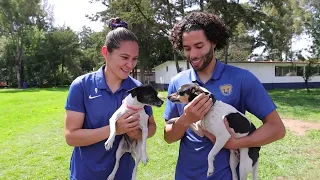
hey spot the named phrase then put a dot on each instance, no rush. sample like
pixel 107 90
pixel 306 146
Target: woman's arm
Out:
pixel 76 136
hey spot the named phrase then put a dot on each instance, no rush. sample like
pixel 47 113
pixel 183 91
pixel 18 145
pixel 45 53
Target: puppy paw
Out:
pixel 210 172
pixel 108 145
pixel 110 177
pixel 144 160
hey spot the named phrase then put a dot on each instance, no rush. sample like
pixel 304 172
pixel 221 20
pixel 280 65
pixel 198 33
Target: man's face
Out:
pixel 197 49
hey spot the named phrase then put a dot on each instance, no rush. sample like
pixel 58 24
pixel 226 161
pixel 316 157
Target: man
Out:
pixel 198 35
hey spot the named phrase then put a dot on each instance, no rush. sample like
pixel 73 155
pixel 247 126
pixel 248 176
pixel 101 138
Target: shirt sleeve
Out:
pixel 148 110
pixel 171 109
pixel 75 100
pixel 256 98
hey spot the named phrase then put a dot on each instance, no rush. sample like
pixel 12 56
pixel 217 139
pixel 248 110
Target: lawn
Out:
pixel 33 147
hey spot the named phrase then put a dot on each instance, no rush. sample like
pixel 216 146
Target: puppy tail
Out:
pixel 255 171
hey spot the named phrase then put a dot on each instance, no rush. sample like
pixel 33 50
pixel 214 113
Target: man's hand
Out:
pixel 127 122
pixel 232 143
pixel 197 108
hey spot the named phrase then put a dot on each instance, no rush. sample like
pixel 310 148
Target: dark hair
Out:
pixel 214 29
pixel 118 35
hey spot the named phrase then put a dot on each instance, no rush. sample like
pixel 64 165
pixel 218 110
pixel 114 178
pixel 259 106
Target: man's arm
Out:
pixel 174 132
pixel 272 130
pixel 193 112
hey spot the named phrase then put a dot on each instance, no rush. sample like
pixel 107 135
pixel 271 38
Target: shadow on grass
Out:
pixel 297 97
pixel 299 101
pixel 59 89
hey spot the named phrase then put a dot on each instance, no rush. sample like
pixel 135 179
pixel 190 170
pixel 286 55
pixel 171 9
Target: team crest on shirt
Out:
pixel 226 89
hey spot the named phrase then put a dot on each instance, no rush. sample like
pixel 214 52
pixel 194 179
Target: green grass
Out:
pixel 33 147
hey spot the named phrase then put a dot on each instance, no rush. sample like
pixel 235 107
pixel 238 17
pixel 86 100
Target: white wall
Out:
pixel 164 77
pixel 265 72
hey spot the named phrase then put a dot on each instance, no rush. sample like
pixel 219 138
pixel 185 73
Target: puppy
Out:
pixel 136 100
pixel 213 122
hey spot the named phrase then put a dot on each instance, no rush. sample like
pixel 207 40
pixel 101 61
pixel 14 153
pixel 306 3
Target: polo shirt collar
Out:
pixel 101 81
pixel 218 69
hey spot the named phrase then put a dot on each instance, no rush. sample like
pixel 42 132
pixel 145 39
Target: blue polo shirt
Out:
pixel 232 85
pixel 89 94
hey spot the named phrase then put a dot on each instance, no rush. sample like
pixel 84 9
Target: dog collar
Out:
pixel 134 109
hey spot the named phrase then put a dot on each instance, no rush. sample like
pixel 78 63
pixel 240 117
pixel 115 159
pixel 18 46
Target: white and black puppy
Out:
pixel 213 122
pixel 136 100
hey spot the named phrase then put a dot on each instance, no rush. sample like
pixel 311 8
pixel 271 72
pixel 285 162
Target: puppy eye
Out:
pixel 181 93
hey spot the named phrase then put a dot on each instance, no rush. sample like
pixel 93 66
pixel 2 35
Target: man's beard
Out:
pixel 207 58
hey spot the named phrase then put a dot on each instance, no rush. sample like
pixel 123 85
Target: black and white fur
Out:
pixel 136 100
pixel 213 122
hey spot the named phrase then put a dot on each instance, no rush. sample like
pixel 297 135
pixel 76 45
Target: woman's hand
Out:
pixel 127 122
pixel 135 134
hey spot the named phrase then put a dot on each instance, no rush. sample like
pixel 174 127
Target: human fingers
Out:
pixel 128 114
pixel 132 123
pixel 196 100
pixel 134 128
pixel 202 100
pixel 205 108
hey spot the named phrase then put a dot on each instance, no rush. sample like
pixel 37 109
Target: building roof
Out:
pixel 236 62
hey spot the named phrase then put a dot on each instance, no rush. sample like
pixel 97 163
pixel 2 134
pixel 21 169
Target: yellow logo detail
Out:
pixel 226 89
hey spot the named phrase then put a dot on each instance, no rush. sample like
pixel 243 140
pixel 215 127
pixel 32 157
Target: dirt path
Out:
pixel 299 127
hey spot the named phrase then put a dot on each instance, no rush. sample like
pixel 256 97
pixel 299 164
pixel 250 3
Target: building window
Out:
pixel 289 70
pixel 167 68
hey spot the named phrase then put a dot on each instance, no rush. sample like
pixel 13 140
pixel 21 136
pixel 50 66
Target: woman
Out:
pixel 92 100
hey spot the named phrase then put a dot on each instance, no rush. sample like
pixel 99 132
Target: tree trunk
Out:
pixel 18 75
pixel 175 57
pixel 225 52
pixel 22 74
pixel 188 65
pixel 142 70
pixel 201 5
pixel 307 85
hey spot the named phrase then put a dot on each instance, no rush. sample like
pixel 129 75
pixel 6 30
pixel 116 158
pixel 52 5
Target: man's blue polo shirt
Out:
pixel 89 94
pixel 232 85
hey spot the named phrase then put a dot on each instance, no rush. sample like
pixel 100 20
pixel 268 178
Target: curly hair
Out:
pixel 215 30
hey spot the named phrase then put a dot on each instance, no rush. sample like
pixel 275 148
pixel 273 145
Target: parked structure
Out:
pixel 272 74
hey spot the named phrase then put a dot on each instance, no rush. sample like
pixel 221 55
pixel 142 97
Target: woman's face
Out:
pixel 122 60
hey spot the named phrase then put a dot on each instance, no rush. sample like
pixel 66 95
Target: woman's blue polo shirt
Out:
pixel 89 94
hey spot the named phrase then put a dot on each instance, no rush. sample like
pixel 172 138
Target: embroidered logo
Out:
pixel 92 97
pixel 226 89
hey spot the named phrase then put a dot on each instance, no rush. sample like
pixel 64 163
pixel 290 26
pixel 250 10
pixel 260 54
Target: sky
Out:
pixel 76 19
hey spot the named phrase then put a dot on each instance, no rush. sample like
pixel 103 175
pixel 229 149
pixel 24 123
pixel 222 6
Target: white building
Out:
pixel 273 75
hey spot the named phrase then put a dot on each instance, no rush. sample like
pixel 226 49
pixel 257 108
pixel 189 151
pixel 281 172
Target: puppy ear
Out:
pixel 133 91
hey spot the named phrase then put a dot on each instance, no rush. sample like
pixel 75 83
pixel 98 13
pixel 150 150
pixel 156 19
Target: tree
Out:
pixel 311 69
pixel 17 17
pixel 142 24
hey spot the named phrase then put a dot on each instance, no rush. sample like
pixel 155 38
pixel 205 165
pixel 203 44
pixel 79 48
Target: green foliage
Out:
pixel 33 146
pixel 33 50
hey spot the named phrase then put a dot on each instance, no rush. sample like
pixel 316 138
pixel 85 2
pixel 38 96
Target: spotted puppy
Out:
pixel 213 122
pixel 136 100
